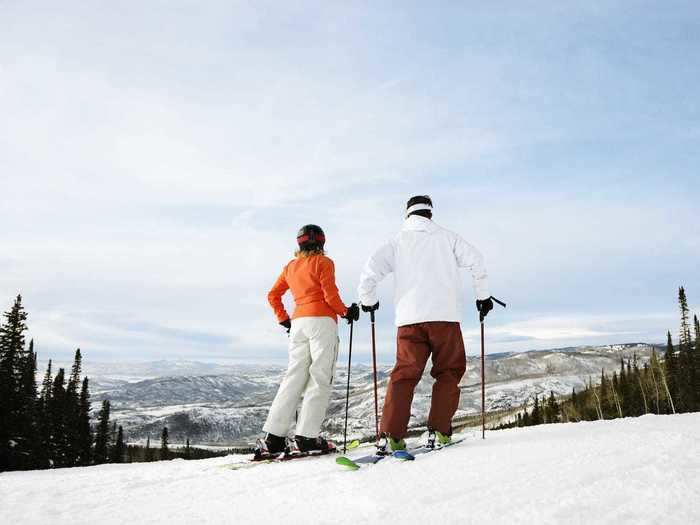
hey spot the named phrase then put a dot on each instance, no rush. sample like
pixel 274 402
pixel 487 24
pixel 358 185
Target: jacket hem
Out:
pixel 417 321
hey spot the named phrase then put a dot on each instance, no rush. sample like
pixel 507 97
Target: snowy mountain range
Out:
pixel 227 404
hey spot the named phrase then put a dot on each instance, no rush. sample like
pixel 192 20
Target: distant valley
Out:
pixel 227 405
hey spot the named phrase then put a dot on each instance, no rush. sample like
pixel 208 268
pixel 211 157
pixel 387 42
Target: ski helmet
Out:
pixel 420 205
pixel 311 237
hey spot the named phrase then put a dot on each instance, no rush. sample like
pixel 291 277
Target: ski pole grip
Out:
pixel 371 316
pixel 482 316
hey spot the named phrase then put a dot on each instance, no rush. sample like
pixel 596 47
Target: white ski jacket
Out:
pixel 425 259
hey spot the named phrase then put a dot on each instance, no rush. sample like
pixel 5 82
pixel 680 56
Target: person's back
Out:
pixel 311 279
pixel 425 260
pixel 426 270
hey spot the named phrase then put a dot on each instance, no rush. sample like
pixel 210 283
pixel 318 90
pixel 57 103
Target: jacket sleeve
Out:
pixel 274 297
pixel 376 268
pixel 329 288
pixel 470 258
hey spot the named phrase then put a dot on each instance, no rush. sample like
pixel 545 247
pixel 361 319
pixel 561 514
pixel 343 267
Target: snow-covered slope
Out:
pixel 229 404
pixel 629 471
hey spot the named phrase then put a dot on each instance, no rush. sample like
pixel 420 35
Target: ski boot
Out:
pixel 269 448
pixel 303 446
pixel 437 439
pixel 383 446
pixel 396 444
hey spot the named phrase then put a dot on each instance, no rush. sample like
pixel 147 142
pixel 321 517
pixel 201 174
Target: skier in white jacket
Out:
pixel 426 260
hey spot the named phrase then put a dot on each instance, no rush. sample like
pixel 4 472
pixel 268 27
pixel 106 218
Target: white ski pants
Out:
pixel 313 351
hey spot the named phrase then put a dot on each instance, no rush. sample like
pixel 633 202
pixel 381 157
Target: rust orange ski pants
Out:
pixel 414 344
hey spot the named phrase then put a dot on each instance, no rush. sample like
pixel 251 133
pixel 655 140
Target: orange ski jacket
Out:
pixel 312 281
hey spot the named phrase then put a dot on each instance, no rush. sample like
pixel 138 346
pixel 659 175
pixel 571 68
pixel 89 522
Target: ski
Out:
pixel 426 449
pixel 282 458
pixel 357 463
pixel 403 455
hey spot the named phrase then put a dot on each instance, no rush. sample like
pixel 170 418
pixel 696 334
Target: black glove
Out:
pixel 287 324
pixel 372 308
pixel 484 306
pixel 353 313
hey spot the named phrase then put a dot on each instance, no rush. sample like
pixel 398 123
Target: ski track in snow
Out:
pixel 638 471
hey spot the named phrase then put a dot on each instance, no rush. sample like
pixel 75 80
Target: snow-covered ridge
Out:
pixel 227 404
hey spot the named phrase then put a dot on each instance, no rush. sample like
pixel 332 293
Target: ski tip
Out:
pixel 347 463
pixel 404 455
pixel 353 444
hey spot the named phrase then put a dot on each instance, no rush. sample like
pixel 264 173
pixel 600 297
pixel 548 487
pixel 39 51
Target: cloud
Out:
pixel 152 184
pixel 543 332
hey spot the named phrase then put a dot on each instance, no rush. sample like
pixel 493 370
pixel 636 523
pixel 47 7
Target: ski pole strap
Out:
pixel 482 316
pixel 497 301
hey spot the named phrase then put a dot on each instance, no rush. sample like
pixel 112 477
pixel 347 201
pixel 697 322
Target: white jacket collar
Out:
pixel 417 223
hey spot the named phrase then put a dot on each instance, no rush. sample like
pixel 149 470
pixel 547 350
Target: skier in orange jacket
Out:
pixel 313 347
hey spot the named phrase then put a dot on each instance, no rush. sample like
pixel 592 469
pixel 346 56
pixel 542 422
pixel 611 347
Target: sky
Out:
pixel 158 158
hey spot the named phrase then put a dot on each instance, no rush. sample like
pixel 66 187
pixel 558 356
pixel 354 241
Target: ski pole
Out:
pixel 374 370
pixel 483 371
pixel 483 382
pixel 347 393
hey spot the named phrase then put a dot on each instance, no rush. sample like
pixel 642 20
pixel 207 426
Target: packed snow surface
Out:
pixel 636 471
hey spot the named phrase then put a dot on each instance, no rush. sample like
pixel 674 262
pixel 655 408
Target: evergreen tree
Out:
pixel 684 337
pixel 595 402
pixel 57 411
pixel 624 392
pixel 552 409
pixel 28 441
pixel 615 389
pixel 113 433
pixel 634 396
pixel 118 449
pixel 536 416
pixel 575 413
pixel 164 449
pixel 13 329
pixel 84 432
pixel 642 404
pixel 148 454
pixel 589 403
pixel 671 375
pixel 102 437
pixel 45 394
pixel 686 358
pixel 45 453
pixel 187 449
pixel 647 389
pixel 686 379
pixel 12 360
pixel 655 372
pixel 605 395
pixel 72 412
